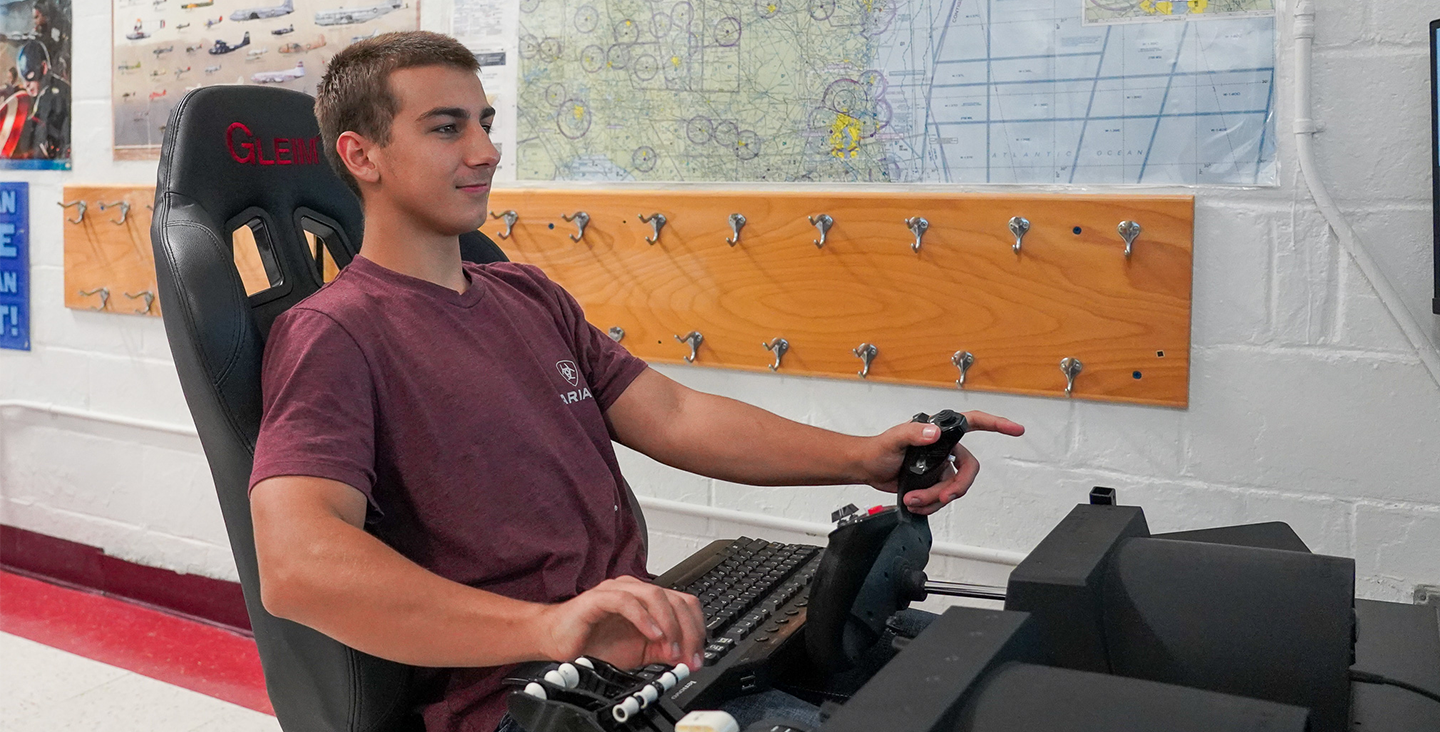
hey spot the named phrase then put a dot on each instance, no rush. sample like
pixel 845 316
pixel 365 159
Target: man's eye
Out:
pixel 486 127
pixel 446 128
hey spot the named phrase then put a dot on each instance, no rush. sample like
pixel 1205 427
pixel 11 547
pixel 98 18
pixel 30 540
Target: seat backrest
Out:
pixel 238 156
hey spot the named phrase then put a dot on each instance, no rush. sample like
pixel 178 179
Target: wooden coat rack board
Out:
pixel 111 261
pixel 1069 292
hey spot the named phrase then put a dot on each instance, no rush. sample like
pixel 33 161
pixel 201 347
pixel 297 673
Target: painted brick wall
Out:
pixel 1307 405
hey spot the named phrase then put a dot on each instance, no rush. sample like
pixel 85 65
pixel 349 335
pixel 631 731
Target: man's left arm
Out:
pixel 729 440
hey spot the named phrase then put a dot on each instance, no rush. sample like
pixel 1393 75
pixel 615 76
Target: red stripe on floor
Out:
pixel 182 652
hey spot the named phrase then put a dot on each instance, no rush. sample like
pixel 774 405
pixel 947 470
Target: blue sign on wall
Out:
pixel 15 266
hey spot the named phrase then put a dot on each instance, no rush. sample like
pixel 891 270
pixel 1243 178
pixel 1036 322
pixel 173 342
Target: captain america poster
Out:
pixel 35 84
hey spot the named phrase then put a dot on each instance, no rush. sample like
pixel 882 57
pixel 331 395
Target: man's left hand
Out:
pixel 887 451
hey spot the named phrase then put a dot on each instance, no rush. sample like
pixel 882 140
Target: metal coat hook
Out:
pixel 963 360
pixel 581 219
pixel 866 352
pixel 692 339
pixel 1072 368
pixel 124 210
pixel 1019 225
pixel 918 225
pixel 509 217
pixel 656 222
pixel 616 333
pixel 737 222
pixel 822 222
pixel 149 300
pixel 778 347
pixel 103 292
pixel 79 212
pixel 1129 231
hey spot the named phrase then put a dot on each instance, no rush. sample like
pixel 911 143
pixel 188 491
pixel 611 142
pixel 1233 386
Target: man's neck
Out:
pixel 392 242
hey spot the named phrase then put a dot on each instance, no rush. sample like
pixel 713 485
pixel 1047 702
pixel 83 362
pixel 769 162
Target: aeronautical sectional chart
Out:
pixel 1072 92
pixel 164 48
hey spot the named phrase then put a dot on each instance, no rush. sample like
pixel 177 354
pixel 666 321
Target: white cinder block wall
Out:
pixel 1306 406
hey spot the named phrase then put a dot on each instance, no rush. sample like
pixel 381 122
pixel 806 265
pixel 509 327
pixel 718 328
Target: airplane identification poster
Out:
pixel 164 48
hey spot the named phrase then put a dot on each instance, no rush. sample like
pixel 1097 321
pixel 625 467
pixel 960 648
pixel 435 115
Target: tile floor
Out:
pixel 76 660
pixel 44 689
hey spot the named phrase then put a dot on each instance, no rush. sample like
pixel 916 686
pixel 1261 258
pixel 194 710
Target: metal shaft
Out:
pixel 965 589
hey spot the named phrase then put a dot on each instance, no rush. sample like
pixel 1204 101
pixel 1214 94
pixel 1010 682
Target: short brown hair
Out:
pixel 354 94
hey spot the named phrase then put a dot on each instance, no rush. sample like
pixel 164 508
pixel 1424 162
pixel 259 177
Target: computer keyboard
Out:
pixel 754 595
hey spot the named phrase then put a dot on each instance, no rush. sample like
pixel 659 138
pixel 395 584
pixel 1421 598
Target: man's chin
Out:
pixel 466 220
pixel 474 224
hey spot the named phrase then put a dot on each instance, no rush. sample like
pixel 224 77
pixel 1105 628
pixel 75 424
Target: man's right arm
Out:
pixel 318 567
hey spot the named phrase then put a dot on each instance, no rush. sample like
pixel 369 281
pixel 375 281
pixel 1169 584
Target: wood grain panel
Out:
pixel 100 253
pixel 1066 294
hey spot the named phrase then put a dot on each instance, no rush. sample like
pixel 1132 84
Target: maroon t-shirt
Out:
pixel 475 426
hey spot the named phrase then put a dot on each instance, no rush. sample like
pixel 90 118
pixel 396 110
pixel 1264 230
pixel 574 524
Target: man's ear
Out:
pixel 357 152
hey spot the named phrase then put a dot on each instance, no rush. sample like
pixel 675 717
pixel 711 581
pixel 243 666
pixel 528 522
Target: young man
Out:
pixel 417 396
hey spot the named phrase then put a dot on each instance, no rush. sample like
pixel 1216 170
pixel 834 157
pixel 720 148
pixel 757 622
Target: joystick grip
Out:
pixel 874 565
pixel 924 465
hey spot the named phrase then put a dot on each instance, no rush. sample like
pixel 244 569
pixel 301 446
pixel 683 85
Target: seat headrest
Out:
pixel 238 147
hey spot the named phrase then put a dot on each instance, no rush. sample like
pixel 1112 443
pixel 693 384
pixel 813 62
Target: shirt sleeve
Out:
pixel 608 367
pixel 319 405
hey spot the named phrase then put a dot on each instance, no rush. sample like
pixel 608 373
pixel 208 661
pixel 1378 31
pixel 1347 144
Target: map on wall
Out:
pixel 1114 11
pixel 164 48
pixel 912 91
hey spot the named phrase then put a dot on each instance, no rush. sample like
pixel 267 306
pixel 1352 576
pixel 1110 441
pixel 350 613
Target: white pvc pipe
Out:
pixel 144 424
pixel 959 551
pixel 1305 129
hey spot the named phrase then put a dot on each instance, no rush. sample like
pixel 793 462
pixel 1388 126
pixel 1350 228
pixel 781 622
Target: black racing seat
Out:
pixel 239 156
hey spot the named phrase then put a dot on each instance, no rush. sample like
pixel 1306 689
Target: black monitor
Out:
pixel 1435 148
pixel 1246 611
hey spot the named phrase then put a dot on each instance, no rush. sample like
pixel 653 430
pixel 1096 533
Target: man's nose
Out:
pixel 482 150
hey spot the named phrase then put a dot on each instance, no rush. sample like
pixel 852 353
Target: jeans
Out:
pixel 775 706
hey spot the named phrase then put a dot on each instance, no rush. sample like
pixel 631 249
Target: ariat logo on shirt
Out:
pixel 568 370
pixel 570 397
pixel 571 373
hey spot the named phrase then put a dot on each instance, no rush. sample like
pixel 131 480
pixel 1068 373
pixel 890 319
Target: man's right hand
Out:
pixel 628 623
